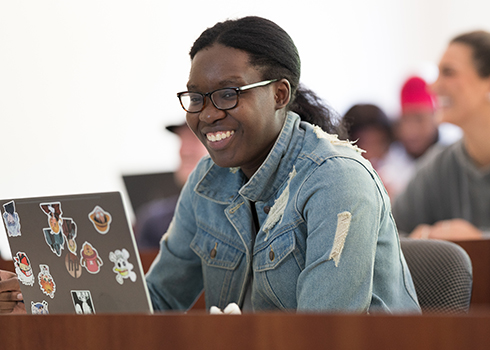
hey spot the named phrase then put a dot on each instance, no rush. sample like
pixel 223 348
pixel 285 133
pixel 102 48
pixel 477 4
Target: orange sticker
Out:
pixel 101 219
pixel 46 281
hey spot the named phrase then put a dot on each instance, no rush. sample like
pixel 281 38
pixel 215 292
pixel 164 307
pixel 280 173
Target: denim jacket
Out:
pixel 327 240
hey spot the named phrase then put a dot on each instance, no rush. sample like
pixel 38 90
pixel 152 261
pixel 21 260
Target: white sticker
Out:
pixel 122 267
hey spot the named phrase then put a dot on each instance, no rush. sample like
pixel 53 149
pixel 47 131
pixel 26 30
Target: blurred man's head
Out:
pixel 191 151
pixel 417 127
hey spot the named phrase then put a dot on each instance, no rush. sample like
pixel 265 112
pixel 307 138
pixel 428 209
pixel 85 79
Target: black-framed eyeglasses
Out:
pixel 226 98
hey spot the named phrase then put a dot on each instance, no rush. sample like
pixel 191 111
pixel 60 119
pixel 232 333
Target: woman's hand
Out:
pixel 450 230
pixel 10 295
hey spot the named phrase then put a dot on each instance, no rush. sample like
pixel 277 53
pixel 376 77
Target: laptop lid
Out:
pixel 75 254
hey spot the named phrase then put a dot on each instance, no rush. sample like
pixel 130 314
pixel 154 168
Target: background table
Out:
pixel 479 252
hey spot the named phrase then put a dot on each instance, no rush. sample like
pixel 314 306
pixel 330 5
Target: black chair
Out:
pixel 442 274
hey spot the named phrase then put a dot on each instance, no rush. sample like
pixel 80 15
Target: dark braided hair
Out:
pixel 273 51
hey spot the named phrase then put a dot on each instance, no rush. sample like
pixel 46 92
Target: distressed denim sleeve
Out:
pixel 174 279
pixel 353 260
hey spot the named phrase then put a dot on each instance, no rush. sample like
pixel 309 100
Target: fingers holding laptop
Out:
pixel 10 294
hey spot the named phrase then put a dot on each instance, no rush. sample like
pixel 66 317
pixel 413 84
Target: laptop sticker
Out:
pixel 53 211
pixel 39 308
pixel 69 229
pixel 122 267
pixel 46 281
pixel 72 264
pixel 11 219
pixel 23 269
pixel 53 235
pixel 82 301
pixel 101 219
pixel 54 241
pixel 90 258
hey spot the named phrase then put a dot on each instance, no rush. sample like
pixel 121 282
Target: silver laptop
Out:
pixel 75 254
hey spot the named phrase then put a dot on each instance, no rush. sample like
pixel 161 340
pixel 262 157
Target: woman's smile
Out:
pixel 220 135
pixel 218 140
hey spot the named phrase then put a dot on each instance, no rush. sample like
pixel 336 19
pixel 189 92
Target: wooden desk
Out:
pixel 479 252
pixel 147 257
pixel 266 331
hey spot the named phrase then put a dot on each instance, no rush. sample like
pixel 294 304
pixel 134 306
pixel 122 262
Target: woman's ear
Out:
pixel 282 93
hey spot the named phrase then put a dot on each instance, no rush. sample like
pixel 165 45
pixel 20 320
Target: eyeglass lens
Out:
pixel 222 99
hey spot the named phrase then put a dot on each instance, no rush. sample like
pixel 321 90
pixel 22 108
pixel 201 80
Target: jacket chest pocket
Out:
pixel 279 249
pixel 277 266
pixel 215 252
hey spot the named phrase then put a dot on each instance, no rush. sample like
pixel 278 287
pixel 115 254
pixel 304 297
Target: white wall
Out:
pixel 87 86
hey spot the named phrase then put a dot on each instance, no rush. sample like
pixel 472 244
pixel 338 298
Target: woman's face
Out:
pixel 244 135
pixel 463 94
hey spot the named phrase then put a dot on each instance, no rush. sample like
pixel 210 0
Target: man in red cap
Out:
pixel 417 127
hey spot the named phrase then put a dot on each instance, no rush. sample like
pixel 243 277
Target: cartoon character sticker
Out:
pixel 11 219
pixel 69 229
pixel 101 219
pixel 53 211
pixel 82 301
pixel 90 258
pixel 72 264
pixel 53 235
pixel 122 267
pixel 46 281
pixel 23 269
pixel 39 308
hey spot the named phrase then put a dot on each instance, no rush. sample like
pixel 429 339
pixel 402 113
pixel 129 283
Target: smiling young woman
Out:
pixel 283 215
pixel 449 198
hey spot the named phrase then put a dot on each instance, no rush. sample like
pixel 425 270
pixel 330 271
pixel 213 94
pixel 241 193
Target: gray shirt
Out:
pixel 448 185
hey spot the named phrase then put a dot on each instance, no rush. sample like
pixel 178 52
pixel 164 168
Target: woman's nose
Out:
pixel 210 113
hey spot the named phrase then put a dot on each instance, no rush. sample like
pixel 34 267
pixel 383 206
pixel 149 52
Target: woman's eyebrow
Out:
pixel 229 82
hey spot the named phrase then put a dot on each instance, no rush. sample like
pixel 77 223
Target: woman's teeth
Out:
pixel 218 136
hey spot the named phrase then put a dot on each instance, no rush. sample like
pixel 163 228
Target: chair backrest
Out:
pixel 442 274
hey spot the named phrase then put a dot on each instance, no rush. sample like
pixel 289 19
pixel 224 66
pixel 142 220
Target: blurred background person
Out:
pixel 153 218
pixel 449 196
pixel 416 133
pixel 417 127
pixel 370 127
